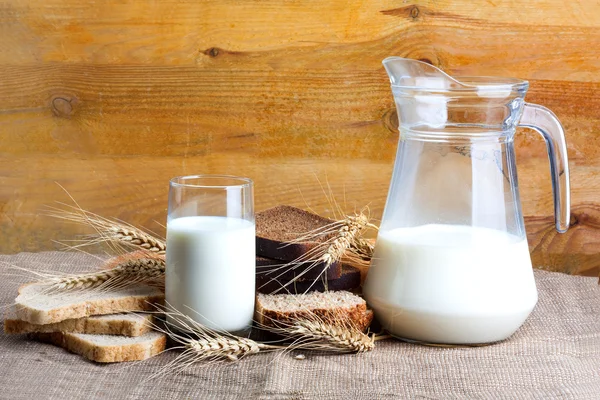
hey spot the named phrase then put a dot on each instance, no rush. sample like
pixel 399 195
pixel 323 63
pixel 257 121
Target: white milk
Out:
pixel 211 269
pixel 451 283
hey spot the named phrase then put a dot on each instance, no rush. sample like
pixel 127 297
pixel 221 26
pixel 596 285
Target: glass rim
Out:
pixel 179 181
pixel 481 84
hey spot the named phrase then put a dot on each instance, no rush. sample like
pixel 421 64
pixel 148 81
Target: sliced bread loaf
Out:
pixel 329 306
pixel 112 324
pixel 349 280
pixel 277 229
pixel 107 348
pixel 35 306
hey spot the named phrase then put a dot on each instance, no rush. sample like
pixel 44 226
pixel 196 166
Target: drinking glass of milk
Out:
pixel 210 260
pixel 451 261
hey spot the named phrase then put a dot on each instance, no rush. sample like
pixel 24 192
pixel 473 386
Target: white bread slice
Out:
pixel 34 306
pixel 107 348
pixel 111 324
pixel 332 305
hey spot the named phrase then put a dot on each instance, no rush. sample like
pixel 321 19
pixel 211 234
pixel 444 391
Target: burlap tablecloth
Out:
pixel 556 354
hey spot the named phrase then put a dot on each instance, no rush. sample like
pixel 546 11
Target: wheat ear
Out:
pixel 127 273
pixel 348 234
pixel 363 248
pixel 109 230
pixel 324 336
pixel 136 237
pixel 202 344
pixel 307 330
pixel 360 253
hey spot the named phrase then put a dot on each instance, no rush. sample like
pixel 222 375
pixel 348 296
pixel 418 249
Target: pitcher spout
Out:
pixel 405 72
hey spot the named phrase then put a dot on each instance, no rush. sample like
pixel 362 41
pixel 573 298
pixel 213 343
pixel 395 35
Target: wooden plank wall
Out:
pixel 111 100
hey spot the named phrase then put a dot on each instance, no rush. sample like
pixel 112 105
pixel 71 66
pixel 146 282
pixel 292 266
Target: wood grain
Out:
pixel 112 100
pixel 573 252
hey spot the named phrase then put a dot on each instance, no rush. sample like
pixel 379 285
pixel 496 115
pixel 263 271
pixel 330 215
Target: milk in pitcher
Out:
pixel 451 283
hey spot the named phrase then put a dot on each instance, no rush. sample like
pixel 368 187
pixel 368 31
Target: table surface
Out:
pixel 556 354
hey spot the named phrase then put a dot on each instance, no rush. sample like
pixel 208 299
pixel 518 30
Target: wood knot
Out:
pixel 409 11
pixel 427 57
pixel 414 12
pixel 212 52
pixel 574 221
pixel 62 106
pixel 390 120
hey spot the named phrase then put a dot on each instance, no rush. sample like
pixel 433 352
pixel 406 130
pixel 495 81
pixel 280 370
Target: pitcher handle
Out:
pixel 544 121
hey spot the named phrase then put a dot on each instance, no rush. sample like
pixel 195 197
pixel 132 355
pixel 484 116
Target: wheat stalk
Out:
pixel 127 273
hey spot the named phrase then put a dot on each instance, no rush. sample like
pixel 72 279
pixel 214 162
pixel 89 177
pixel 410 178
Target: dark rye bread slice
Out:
pixel 349 280
pixel 271 268
pixel 275 309
pixel 278 226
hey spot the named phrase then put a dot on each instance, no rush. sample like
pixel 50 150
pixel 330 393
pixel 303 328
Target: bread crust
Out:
pixel 90 325
pixel 141 298
pixel 84 345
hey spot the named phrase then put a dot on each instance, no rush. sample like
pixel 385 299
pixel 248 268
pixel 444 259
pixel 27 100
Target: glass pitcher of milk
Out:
pixel 451 262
